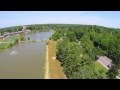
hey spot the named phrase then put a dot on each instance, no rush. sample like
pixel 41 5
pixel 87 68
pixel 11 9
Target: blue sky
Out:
pixel 103 18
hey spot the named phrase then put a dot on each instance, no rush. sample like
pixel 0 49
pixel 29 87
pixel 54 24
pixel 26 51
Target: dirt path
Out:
pixel 47 64
pixel 53 69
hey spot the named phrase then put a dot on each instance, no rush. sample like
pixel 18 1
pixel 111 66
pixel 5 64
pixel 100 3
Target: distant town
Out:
pixel 7 34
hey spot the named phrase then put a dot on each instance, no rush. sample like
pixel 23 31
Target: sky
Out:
pixel 102 18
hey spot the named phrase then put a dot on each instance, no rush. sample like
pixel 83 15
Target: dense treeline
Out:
pixel 78 46
pixel 34 28
pixel 39 27
pixel 10 29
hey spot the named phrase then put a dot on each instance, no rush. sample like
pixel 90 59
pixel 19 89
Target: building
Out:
pixel 106 62
pixel 7 34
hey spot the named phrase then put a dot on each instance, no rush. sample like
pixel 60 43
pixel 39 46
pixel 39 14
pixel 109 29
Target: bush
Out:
pixel 28 38
pixel 16 41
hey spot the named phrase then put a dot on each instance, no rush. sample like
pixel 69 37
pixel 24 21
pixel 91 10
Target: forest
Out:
pixel 78 46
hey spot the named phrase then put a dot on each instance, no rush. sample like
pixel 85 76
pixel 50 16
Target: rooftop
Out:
pixel 106 62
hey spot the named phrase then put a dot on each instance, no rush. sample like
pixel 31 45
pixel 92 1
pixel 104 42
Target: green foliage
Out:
pixel 22 38
pixel 80 44
pixel 56 36
pixel 16 41
pixel 78 35
pixel 71 36
pixel 5 45
pixel 113 72
pixel 100 71
pixel 28 38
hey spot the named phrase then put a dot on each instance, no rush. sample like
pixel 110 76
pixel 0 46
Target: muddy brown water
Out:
pixel 25 60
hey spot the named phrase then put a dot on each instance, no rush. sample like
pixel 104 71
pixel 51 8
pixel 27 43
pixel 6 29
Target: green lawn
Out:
pixel 12 38
pixel 98 67
pixel 101 71
pixel 8 42
pixel 2 45
pixel 5 46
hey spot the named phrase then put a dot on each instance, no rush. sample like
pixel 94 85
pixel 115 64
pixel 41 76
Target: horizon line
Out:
pixel 58 24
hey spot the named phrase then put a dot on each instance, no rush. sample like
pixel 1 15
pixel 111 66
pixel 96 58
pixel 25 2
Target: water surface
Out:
pixel 28 62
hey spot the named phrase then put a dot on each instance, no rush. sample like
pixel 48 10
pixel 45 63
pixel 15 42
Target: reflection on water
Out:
pixel 26 60
pixel 13 53
pixel 39 36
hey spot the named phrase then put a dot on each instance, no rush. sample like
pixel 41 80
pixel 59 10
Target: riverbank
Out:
pixel 10 41
pixel 53 69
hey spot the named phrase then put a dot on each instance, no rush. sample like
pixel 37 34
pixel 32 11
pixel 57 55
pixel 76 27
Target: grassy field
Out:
pixel 55 69
pixel 8 42
pixel 12 38
pixel 2 45
pixel 98 67
pixel 101 70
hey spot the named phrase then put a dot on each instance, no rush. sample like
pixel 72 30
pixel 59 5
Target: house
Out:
pixel 106 62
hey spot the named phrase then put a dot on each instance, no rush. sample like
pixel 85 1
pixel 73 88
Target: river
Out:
pixel 25 60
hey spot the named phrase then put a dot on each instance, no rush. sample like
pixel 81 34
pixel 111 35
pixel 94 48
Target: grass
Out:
pixel 55 69
pixel 8 42
pixel 12 38
pixel 99 67
pixel 101 71
pixel 2 45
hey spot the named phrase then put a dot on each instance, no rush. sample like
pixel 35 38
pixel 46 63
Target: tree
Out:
pixel 16 41
pixel 28 38
pixel 71 36
pixel 22 38
pixel 56 36
pixel 113 72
